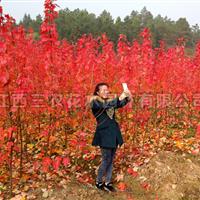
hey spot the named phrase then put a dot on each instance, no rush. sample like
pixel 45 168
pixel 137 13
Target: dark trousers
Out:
pixel 106 166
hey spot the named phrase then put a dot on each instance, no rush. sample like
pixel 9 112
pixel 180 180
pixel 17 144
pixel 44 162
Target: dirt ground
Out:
pixel 167 176
pixel 173 175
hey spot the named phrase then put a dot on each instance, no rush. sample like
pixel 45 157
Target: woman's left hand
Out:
pixel 128 94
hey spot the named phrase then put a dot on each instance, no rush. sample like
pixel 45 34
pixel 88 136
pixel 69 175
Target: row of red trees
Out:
pixel 36 74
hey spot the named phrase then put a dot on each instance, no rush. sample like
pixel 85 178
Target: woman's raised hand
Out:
pixel 128 94
pixel 125 94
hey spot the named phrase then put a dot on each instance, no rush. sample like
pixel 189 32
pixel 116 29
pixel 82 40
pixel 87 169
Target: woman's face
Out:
pixel 103 91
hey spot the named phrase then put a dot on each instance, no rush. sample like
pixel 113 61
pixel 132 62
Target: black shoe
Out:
pixel 109 187
pixel 100 185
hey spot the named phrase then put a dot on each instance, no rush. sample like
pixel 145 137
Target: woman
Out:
pixel 107 135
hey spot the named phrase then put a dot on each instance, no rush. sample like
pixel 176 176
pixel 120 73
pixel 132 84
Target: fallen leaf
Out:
pixel 121 186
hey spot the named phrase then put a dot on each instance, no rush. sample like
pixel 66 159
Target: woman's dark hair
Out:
pixel 97 87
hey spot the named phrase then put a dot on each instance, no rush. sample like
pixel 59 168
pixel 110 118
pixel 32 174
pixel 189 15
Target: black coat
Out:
pixel 107 132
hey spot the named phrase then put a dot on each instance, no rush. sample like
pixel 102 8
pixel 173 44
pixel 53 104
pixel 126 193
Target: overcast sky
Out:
pixel 173 9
